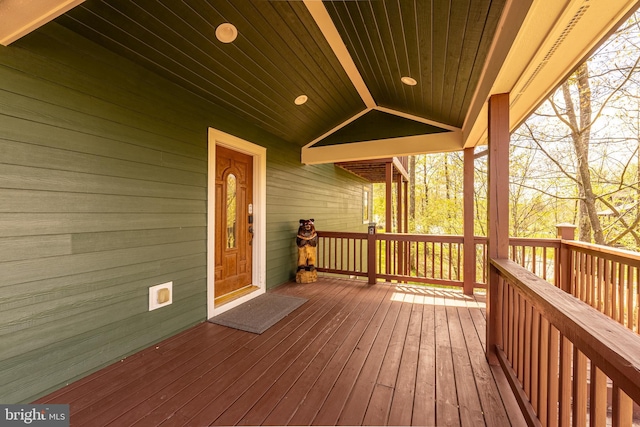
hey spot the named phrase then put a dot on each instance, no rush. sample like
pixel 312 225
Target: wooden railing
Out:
pixel 606 279
pixel 396 257
pixel 539 256
pixel 568 359
pixel 342 253
pixel 423 258
pixel 562 357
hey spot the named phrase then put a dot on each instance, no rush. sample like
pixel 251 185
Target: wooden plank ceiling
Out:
pixel 348 58
pixel 282 52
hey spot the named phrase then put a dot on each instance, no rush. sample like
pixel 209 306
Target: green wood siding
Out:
pixel 103 174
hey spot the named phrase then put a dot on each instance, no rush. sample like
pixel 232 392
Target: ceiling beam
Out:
pixel 417 119
pixel 383 148
pixel 330 32
pixel 18 17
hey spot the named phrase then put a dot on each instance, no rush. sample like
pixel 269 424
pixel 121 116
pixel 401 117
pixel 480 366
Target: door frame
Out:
pixel 259 243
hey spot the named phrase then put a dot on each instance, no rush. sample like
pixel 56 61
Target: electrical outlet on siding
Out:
pixel 160 295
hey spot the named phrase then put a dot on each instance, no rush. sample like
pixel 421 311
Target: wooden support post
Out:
pixel 407 245
pixel 406 206
pixel 563 275
pixel 371 253
pixel 389 217
pixel 399 227
pixel 388 226
pixel 498 213
pixel 399 214
pixel 469 242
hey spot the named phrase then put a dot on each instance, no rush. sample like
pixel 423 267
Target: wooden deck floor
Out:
pixel 352 355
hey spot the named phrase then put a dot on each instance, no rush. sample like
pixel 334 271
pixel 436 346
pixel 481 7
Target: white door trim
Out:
pixel 259 243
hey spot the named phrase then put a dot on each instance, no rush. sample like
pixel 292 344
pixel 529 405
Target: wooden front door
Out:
pixel 233 228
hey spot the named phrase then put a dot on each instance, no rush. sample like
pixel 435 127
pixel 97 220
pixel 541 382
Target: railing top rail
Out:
pixel 612 347
pixel 605 251
pixel 343 234
pixel 396 236
pixel 444 238
pixel 533 241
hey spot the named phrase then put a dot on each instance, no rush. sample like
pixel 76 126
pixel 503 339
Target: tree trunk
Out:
pixel 581 135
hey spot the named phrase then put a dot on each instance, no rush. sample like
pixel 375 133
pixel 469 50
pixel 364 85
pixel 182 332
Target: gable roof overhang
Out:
pixel 537 46
pixel 328 49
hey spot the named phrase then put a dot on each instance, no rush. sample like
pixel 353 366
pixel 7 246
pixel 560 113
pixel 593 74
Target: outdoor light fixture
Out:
pixel 301 99
pixel 409 81
pixel 226 32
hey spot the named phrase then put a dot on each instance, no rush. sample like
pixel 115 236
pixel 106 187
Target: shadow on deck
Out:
pixel 352 355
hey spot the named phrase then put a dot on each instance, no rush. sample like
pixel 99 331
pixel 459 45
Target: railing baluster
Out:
pixel 622 411
pixel 630 296
pixel 581 278
pixel 441 261
pixel 554 377
pixel 589 280
pixel 450 246
pixel 423 257
pixel 534 265
pixel 512 317
pixel 579 389
pixel 332 250
pixel 564 405
pixel 527 349
pixel 521 337
pixel 535 359
pixel 543 376
pixel 598 398
pixel 362 260
pixel 621 293
pixel 601 284
pixel 607 289
pixel 458 265
pixel 485 264
pixel 614 290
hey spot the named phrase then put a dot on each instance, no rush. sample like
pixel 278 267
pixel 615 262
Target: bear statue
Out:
pixel 307 241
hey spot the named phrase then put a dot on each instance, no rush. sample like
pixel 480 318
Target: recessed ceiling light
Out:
pixel 301 99
pixel 226 32
pixel 409 81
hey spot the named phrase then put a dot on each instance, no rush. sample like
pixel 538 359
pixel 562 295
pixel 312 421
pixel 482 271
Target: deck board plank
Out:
pixel 354 350
pixel 468 399
pixel 76 390
pixel 298 393
pixel 302 352
pixel 402 405
pixel 207 387
pixel 354 354
pixel 380 403
pixel 447 413
pixel 142 387
pixel 279 392
pixel 424 413
pixel 205 407
pixel 356 404
pixel 333 406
